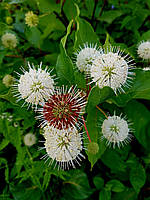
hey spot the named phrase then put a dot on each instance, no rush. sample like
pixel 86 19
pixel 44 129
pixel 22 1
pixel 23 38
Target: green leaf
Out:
pixel 105 195
pixel 64 65
pixel 139 115
pixel 127 194
pixel 70 9
pixel 23 191
pixel 46 179
pixel 139 90
pixel 84 33
pixel 3 144
pixel 113 160
pixel 33 35
pixel 77 187
pixel 4 161
pixel 48 6
pixel 53 26
pixel 80 80
pixel 96 97
pixel 98 182
pixel 145 36
pixel 20 159
pixel 9 97
pixel 110 16
pixel 137 177
pixel 115 186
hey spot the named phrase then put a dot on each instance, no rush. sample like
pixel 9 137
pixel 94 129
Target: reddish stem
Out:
pixel 102 111
pixel 86 129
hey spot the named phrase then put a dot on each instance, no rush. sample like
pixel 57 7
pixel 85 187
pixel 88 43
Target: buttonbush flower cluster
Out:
pixel 9 40
pixel 106 67
pixel 144 50
pixel 60 109
pixel 31 19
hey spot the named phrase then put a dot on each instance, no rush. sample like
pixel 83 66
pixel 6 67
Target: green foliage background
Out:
pixel 63 26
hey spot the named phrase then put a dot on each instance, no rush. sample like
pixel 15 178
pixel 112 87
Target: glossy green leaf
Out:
pixel 137 177
pixel 115 186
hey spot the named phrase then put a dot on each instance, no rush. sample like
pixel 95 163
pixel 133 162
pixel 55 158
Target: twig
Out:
pixel 86 129
pixel 13 56
pixel 102 111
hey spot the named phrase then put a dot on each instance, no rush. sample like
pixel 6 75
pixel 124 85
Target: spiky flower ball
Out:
pixel 8 80
pixel 85 57
pixel 29 139
pixel 116 131
pixel 64 146
pixel 35 85
pixel 112 69
pixel 9 40
pixel 144 50
pixel 146 68
pixel 31 19
pixel 63 108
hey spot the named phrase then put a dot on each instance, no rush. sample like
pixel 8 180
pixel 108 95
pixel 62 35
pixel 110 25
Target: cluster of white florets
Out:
pixel 63 146
pixel 85 57
pixel 109 68
pixel 35 85
pixel 9 40
pixel 144 50
pixel 31 19
pixel 116 131
pixel 29 139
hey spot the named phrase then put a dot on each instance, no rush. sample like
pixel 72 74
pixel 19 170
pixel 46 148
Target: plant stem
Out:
pixel 101 11
pixel 102 111
pixel 86 129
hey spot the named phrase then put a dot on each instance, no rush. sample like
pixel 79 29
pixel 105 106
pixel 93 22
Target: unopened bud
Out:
pixel 93 148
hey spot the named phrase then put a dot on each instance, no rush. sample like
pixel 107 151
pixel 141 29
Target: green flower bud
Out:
pixel 9 20
pixel 8 80
pixel 93 148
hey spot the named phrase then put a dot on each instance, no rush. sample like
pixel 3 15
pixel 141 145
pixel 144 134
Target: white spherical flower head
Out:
pixel 9 40
pixel 85 57
pixel 29 139
pixel 111 69
pixel 116 131
pixel 35 86
pixel 64 146
pixel 146 68
pixel 144 50
pixel 31 19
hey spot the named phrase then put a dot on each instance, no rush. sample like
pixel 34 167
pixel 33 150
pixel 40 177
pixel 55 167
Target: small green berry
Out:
pixel 93 148
pixel 8 80
pixel 9 20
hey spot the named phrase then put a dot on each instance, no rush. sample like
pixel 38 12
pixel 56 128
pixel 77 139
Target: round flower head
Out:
pixel 111 69
pixel 116 131
pixel 144 50
pixel 9 40
pixel 64 146
pixel 31 19
pixel 63 108
pixel 8 80
pixel 29 139
pixel 34 86
pixel 146 68
pixel 85 57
